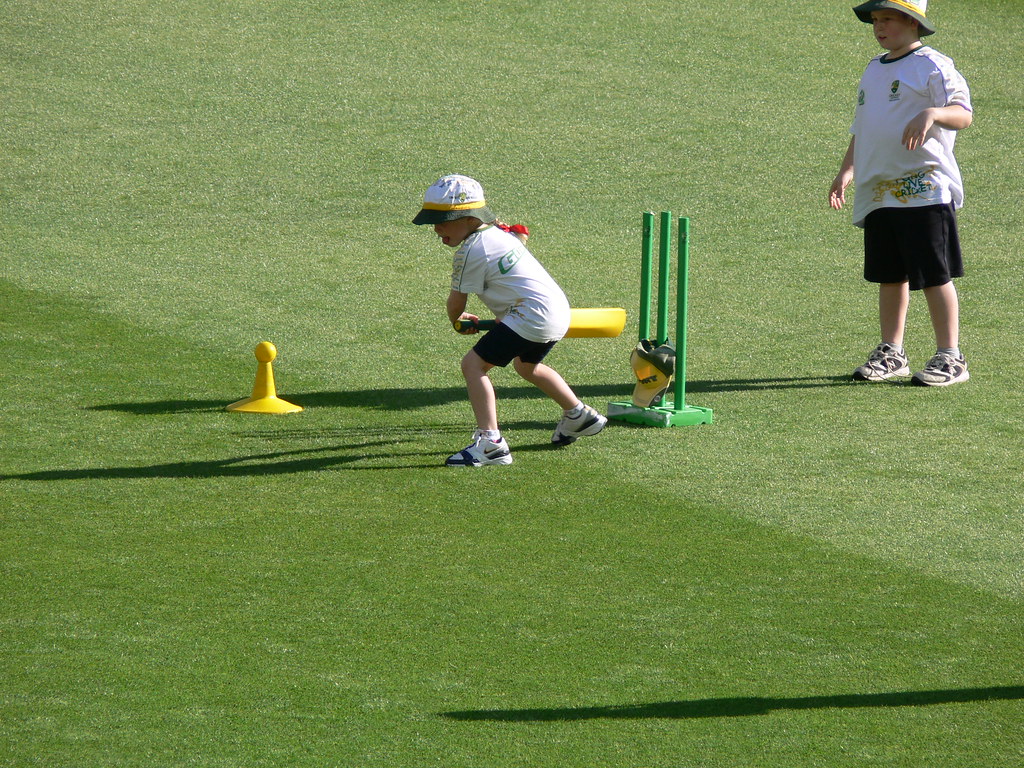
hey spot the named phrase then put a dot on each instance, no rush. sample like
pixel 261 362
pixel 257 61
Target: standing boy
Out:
pixel 532 310
pixel 910 104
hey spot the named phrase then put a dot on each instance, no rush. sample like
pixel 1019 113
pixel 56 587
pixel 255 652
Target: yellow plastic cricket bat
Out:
pixel 584 323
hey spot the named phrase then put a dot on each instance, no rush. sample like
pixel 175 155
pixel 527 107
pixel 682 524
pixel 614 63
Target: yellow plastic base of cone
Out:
pixel 264 405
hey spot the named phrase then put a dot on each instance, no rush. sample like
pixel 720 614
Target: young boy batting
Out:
pixel 532 311
pixel 910 104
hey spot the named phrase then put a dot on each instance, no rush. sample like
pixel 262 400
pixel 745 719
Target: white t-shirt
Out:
pixel 891 94
pixel 497 267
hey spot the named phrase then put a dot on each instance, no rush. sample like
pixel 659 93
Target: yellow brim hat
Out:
pixel 653 367
pixel 915 9
pixel 454 197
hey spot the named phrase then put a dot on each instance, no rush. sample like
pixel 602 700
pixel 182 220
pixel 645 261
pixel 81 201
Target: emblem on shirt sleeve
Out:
pixel 506 262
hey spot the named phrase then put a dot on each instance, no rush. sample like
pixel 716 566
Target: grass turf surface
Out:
pixel 828 575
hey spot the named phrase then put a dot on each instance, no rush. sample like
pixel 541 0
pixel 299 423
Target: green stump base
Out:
pixel 659 416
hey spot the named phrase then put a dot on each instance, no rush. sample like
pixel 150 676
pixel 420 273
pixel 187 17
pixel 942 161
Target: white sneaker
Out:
pixel 884 362
pixel 942 370
pixel 481 452
pixel 589 422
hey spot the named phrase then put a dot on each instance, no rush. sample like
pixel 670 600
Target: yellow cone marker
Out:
pixel 264 396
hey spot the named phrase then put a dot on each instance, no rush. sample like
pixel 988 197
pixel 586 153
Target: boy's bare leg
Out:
pixel 481 391
pixel 548 381
pixel 944 308
pixel 893 301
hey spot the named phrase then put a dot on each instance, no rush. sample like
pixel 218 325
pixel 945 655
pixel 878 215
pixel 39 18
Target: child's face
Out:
pixel 894 31
pixel 452 233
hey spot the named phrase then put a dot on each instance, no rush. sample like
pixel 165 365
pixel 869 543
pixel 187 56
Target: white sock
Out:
pixel 954 351
pixel 575 411
pixel 494 435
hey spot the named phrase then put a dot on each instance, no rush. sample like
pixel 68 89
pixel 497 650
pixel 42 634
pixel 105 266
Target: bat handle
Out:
pixel 480 325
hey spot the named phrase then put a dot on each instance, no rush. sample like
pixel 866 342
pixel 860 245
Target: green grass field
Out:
pixel 828 575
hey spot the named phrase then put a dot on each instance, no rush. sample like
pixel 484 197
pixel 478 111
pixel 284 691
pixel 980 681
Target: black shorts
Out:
pixel 500 345
pixel 919 245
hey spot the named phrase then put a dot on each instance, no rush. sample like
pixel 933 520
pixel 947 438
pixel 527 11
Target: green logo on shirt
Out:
pixel 506 262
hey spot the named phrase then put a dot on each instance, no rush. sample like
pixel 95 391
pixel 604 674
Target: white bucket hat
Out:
pixel 915 9
pixel 454 197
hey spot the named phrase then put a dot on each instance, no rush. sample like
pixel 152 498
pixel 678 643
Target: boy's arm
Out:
pixel 457 307
pixel 837 193
pixel 954 117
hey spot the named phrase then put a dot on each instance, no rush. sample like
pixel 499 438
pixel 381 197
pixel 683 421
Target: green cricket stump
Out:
pixel 674 412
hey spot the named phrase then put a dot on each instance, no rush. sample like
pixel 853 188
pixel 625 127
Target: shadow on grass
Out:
pixel 745 706
pixel 277 463
pixel 409 398
pixel 384 453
